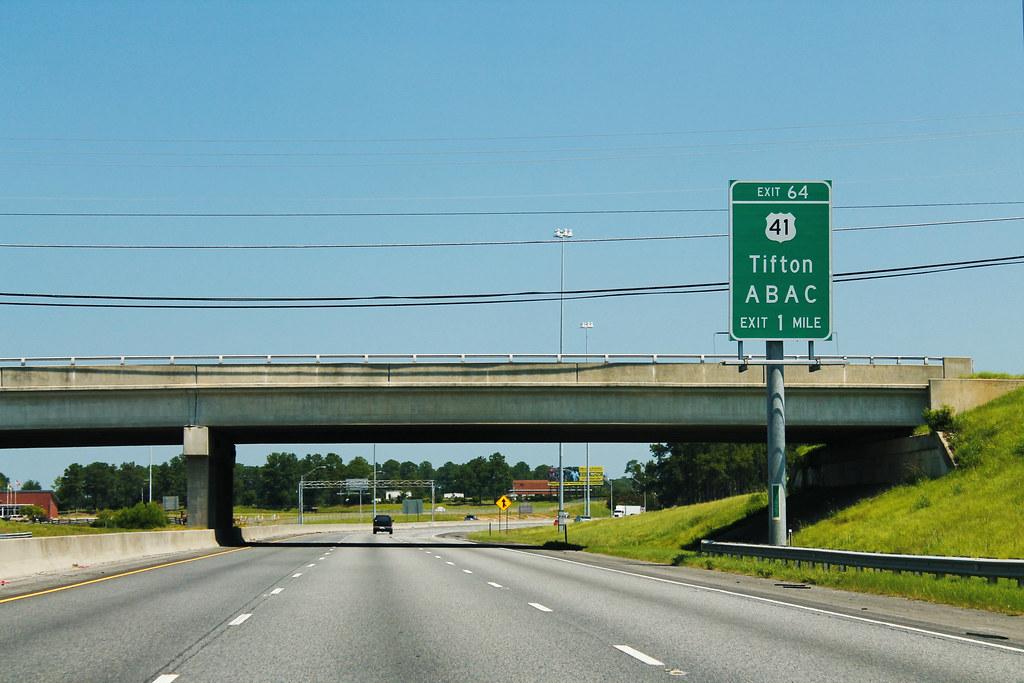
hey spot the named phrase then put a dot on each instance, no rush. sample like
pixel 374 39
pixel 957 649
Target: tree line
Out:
pixel 274 484
pixel 677 474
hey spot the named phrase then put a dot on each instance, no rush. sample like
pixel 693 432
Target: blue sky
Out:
pixel 469 106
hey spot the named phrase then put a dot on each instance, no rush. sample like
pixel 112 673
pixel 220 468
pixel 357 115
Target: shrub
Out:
pixel 35 513
pixel 141 516
pixel 941 419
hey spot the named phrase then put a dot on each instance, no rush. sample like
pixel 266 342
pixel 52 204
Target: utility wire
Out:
pixel 483 243
pixel 493 138
pixel 442 214
pixel 474 299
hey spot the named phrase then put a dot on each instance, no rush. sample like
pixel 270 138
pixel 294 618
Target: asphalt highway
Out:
pixel 414 606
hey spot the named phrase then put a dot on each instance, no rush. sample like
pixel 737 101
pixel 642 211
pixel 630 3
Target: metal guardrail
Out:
pixel 22 534
pixel 365 358
pixel 990 569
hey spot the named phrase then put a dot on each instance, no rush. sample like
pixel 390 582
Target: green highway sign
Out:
pixel 780 260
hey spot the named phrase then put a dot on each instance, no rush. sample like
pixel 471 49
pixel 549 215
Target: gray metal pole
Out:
pixel 432 506
pixel 776 395
pixel 301 479
pixel 561 297
pixel 561 488
pixel 374 497
pixel 150 474
pixel 586 491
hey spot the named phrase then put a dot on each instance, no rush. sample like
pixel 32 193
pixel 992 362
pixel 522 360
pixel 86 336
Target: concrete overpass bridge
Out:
pixel 209 404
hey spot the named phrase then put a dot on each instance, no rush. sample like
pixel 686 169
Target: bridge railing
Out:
pixel 386 358
pixel 991 569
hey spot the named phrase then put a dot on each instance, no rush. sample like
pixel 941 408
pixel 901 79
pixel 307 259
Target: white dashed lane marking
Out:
pixel 537 605
pixel 276 591
pixel 165 678
pixel 311 565
pixel 466 571
pixel 296 575
pixel 636 654
pixel 451 563
pixel 496 585
pixel 240 619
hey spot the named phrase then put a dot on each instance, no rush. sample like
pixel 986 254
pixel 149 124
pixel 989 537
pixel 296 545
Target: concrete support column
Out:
pixel 210 469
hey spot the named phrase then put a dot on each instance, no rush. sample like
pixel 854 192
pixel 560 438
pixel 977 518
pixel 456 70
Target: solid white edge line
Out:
pixel 165 678
pixel 636 654
pixel 466 571
pixel 542 608
pixel 772 601
pixel 296 575
pixel 239 620
pixel 276 591
pixel 496 585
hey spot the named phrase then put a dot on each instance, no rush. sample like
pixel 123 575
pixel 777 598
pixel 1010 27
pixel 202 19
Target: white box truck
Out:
pixel 627 510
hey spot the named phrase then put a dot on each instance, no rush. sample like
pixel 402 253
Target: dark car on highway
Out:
pixel 383 523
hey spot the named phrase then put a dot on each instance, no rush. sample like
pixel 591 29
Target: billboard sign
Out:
pixel 577 476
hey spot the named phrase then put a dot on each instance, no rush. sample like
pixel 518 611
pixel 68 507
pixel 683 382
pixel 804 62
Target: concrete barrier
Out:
pixel 27 556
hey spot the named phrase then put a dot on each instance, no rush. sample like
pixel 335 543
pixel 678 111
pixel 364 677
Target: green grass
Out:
pixel 977 510
pixel 994 375
pixel 42 530
pixel 652 536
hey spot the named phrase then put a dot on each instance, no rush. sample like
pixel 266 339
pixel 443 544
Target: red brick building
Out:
pixel 525 488
pixel 44 499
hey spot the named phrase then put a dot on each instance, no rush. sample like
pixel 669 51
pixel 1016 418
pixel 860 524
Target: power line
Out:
pixel 478 243
pixel 444 214
pixel 611 154
pixel 472 299
pixel 494 138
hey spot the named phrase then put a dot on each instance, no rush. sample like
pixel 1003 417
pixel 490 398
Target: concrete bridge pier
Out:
pixel 210 470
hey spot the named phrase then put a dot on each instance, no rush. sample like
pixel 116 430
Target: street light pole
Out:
pixel 302 490
pixel 562 234
pixel 150 474
pixel 586 327
pixel 374 496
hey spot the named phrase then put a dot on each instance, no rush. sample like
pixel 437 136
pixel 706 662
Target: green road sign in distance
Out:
pixel 780 260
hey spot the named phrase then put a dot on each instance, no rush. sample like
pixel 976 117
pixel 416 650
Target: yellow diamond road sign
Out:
pixel 503 503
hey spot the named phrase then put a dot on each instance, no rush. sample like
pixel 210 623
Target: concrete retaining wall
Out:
pixel 964 394
pixel 893 461
pixel 27 556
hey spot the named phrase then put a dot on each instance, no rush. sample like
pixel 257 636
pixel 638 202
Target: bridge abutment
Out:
pixel 210 469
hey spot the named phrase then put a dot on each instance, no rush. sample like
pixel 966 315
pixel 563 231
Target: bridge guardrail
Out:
pixel 21 534
pixel 991 569
pixel 366 358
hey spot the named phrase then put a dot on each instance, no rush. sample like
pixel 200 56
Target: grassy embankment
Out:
pixel 977 510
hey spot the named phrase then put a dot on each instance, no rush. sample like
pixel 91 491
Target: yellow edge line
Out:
pixel 117 576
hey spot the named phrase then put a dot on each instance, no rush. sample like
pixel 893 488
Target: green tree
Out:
pixel 247 484
pixel 391 469
pixel 3 481
pixel 31 485
pixel 359 468
pixel 408 470
pixel 100 485
pixel 70 487
pixel 426 470
pixel 279 480
pixel 521 471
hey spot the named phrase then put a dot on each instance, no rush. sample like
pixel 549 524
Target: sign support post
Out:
pixel 780 289
pixel 775 376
